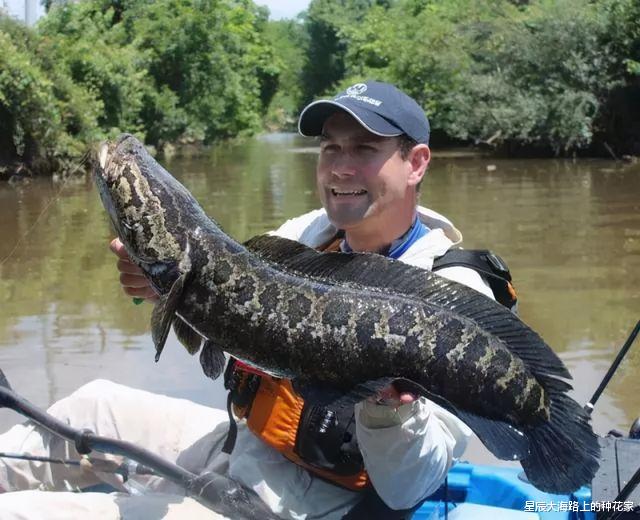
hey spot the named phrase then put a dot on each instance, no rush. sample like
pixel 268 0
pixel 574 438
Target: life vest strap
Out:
pixel 489 265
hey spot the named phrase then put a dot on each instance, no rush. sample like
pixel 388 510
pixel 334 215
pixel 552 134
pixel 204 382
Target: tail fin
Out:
pixel 564 452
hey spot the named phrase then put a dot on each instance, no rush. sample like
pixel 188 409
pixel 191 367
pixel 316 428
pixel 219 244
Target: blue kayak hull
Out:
pixel 479 492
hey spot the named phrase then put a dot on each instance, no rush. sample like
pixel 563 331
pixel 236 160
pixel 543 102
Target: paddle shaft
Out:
pixel 86 441
pixel 215 491
pixel 612 369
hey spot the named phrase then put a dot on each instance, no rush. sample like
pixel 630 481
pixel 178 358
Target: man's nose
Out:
pixel 344 165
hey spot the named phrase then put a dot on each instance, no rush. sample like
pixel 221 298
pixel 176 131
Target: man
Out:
pixel 302 461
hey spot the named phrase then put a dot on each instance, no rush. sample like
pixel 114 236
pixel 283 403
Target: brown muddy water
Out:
pixel 569 230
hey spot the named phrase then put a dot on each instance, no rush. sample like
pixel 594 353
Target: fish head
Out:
pixel 152 213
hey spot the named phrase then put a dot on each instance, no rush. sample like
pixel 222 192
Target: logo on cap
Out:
pixel 357 89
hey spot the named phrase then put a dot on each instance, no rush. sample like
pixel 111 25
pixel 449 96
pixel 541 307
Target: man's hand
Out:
pixel 132 279
pixel 390 396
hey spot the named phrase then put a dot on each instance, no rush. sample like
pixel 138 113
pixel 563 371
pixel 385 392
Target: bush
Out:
pixel 45 118
pixel 172 70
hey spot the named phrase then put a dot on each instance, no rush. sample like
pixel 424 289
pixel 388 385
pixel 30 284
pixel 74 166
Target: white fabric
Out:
pixel 407 451
pixel 314 229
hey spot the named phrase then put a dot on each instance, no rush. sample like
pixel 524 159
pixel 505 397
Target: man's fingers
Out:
pixel 133 280
pixel 407 397
pixel 391 397
pixel 124 266
pixel 118 249
pixel 141 292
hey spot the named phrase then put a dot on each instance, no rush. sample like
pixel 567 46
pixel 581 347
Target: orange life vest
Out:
pixel 313 437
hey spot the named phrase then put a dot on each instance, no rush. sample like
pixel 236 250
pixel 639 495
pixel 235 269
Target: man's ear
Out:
pixel 419 157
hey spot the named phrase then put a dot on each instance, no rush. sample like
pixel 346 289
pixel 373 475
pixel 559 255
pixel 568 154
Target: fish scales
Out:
pixel 339 331
pixel 345 322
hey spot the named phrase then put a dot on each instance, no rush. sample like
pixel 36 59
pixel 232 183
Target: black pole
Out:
pixel 39 458
pixel 86 441
pixel 614 366
pixel 624 494
pixel 219 493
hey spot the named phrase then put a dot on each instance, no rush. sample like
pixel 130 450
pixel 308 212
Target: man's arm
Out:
pixel 410 445
pixel 408 450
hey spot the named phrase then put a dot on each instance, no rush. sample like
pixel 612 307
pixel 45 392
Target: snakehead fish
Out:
pixel 345 323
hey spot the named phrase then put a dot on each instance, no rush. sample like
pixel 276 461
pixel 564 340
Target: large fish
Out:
pixel 347 324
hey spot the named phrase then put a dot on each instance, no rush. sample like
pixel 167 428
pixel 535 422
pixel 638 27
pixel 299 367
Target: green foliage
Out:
pixel 538 73
pixel 495 71
pixel 623 32
pixel 84 42
pixel 542 80
pixel 213 56
pixel 328 24
pixel 289 41
pixel 168 71
pixel 43 116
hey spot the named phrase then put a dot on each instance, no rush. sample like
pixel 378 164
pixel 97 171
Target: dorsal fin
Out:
pixel 275 248
pixel 369 270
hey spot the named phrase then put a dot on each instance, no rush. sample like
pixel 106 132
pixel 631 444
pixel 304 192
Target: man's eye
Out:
pixel 366 148
pixel 330 148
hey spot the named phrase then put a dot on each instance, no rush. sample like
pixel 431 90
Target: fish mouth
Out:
pixel 103 155
pixel 123 145
pixel 347 193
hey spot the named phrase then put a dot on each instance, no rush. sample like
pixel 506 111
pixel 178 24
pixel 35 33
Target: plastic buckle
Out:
pixel 498 265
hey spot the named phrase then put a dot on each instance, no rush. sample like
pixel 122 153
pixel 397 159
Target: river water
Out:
pixel 569 230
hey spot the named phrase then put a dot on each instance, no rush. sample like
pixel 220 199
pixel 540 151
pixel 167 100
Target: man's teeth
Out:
pixel 353 192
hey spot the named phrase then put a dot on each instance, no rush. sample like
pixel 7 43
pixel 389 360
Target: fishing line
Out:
pixel 53 199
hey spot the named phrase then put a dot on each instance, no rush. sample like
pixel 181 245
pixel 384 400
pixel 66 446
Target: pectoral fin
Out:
pixel 212 360
pixel 164 313
pixel 189 338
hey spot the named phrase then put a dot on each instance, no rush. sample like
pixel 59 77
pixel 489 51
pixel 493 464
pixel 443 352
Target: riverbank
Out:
pixel 19 173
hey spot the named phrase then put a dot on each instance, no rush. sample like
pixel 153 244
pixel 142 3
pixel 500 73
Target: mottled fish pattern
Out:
pixel 347 324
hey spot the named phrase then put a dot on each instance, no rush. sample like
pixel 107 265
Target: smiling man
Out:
pixel 373 156
pixel 380 460
pixel 366 183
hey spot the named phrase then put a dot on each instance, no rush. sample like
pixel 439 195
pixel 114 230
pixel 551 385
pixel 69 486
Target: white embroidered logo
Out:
pixel 357 89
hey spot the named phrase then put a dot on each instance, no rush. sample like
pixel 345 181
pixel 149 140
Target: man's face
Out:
pixel 361 177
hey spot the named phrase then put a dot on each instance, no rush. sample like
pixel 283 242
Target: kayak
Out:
pixel 488 492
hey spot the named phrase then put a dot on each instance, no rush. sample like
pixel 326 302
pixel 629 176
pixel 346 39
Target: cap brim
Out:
pixel 313 117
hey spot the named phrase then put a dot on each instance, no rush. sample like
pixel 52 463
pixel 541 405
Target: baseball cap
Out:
pixel 380 107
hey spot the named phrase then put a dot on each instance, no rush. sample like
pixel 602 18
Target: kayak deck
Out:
pixel 479 492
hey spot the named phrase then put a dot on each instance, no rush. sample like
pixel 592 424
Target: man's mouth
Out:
pixel 346 193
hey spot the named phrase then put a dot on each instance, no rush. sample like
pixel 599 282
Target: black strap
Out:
pixel 372 507
pixel 326 439
pixel 486 263
pixel 232 434
pixel 482 260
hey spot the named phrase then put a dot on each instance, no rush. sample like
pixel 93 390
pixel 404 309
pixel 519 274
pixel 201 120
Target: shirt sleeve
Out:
pixel 408 450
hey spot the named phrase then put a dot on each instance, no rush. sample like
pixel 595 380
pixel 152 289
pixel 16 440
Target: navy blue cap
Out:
pixel 380 107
